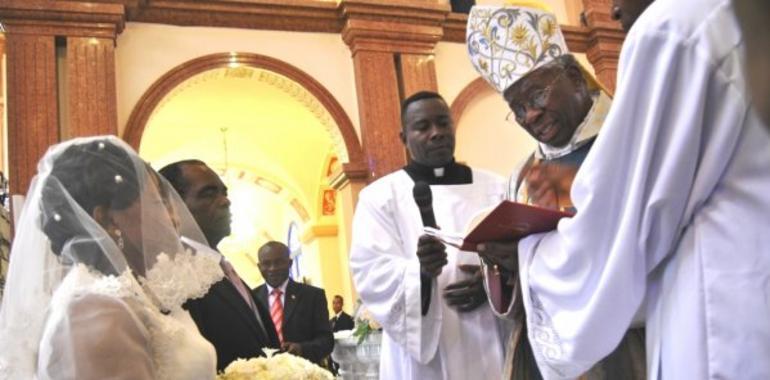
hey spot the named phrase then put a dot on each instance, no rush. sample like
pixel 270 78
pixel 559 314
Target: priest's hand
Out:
pixel 292 348
pixel 432 255
pixel 467 295
pixel 503 254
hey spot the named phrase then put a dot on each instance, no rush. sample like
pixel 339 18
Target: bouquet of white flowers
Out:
pixel 282 366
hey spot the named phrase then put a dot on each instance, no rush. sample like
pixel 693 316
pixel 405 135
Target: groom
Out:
pixel 228 316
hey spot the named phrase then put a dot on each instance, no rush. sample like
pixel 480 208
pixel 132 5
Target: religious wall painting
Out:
pixel 329 202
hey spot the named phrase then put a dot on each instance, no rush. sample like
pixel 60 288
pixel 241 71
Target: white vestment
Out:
pixel 674 204
pixel 443 344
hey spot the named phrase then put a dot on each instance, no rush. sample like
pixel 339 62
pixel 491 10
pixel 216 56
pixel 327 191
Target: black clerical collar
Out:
pixel 450 174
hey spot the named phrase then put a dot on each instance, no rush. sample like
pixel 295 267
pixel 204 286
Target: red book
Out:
pixel 505 222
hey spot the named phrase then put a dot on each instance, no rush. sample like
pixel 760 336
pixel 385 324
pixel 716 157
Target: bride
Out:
pixel 98 273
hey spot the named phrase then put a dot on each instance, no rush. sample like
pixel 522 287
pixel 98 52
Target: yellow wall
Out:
pixel 147 51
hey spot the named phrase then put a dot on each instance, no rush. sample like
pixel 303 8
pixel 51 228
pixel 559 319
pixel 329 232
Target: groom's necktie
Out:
pixel 232 275
pixel 276 313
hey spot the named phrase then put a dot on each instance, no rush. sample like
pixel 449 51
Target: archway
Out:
pixel 268 129
pixel 168 82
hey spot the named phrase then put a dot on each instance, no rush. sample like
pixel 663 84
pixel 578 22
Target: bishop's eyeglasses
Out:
pixel 535 99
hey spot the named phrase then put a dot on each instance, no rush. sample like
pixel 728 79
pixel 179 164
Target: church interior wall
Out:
pixel 147 51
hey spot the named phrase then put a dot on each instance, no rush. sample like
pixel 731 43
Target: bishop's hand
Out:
pixel 503 254
pixel 432 255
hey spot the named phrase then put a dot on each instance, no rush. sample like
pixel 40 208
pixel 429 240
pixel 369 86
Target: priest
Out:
pixel 436 321
pixel 673 201
pixel 563 107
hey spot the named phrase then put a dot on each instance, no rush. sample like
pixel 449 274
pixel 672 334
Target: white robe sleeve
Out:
pixel 661 152
pixel 387 277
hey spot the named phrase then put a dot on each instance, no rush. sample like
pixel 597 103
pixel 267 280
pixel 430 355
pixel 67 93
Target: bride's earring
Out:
pixel 119 236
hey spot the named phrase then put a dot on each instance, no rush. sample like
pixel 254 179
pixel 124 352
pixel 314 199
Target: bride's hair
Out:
pixel 96 173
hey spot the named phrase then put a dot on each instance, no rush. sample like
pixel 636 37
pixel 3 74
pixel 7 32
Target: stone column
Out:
pixel 91 89
pixel 61 77
pixel 392 46
pixel 32 104
pixel 605 39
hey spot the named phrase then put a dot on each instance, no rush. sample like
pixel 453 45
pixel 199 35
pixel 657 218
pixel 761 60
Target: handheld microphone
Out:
pixel 423 197
pixel 424 200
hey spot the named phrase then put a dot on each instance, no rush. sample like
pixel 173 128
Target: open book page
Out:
pixel 456 238
pixel 505 222
pixel 452 239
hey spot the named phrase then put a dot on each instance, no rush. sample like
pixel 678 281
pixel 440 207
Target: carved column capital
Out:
pixel 605 39
pixel 392 26
pixel 59 18
pixel 604 45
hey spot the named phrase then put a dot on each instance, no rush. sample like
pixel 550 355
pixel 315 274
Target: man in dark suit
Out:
pixel 341 320
pixel 228 316
pixel 299 312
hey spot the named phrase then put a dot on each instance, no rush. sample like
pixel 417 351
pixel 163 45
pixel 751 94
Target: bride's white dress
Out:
pixel 106 327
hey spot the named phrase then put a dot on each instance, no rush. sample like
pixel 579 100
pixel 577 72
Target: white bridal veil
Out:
pixel 97 220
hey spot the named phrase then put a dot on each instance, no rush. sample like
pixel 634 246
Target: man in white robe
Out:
pixel 674 201
pixel 409 281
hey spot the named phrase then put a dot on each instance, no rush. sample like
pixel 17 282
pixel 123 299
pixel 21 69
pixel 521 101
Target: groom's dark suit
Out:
pixel 305 319
pixel 225 320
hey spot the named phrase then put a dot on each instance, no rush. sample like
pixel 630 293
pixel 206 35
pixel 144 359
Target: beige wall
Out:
pixel 147 51
pixel 557 6
pixel 567 11
pixel 453 69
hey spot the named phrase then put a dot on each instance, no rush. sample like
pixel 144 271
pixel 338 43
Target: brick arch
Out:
pixel 470 92
pixel 141 113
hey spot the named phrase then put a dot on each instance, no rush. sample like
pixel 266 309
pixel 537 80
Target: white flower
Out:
pixel 343 334
pixel 283 366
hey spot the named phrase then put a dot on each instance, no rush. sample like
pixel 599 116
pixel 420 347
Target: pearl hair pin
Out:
pixel 118 178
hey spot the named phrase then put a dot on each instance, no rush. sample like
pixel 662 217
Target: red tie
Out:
pixel 276 313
